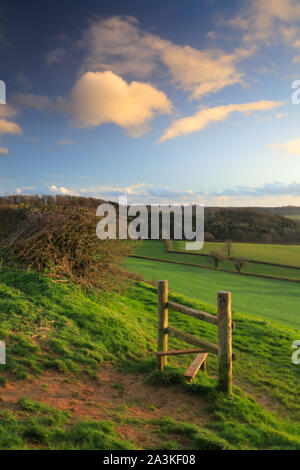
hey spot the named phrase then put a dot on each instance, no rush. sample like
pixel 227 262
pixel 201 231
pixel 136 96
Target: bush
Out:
pixel 63 243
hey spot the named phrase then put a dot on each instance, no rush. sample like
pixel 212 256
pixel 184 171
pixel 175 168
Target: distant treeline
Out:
pixel 237 224
pixel 286 210
pixel 251 225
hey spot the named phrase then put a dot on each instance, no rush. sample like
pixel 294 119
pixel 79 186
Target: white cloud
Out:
pixel 207 116
pixel 63 190
pixel 8 127
pixel 269 21
pixel 291 147
pixel 104 97
pixel 119 44
pixel 201 72
pixel 8 111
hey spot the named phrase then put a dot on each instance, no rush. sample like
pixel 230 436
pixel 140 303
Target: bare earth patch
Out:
pixel 116 395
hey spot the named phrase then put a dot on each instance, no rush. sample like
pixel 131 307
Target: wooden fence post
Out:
pixel 225 341
pixel 162 341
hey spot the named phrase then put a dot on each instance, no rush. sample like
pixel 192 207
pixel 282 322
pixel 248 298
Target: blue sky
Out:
pixel 161 101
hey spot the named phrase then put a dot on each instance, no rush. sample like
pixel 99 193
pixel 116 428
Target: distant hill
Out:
pixel 286 210
pixel 251 225
pixel 244 224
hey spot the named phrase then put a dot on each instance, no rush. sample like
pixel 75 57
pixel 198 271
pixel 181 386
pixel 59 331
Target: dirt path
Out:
pixel 116 395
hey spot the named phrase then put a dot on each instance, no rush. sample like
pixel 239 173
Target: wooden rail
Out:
pixel 208 347
pixel 192 312
pixel 223 349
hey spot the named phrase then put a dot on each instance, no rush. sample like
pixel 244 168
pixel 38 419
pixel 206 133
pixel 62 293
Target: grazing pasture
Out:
pixel 265 298
pixel 278 254
pixel 156 249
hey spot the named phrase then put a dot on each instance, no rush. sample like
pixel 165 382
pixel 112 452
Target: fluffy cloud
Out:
pixel 292 147
pixel 104 97
pixel 201 72
pixel 118 44
pixel 207 116
pixel 8 111
pixel 8 127
pixel 63 190
pixel 268 21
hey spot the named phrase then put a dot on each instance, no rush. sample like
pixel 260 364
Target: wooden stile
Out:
pixel 225 341
pixel 199 360
pixel 223 349
pixel 162 343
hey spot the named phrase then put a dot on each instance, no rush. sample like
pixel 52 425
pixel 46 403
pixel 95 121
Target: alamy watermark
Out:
pixel 296 354
pixel 2 352
pixel 2 92
pixel 154 222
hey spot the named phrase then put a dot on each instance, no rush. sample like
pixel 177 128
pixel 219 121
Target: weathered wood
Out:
pixel 193 312
pixel 201 343
pixel 195 366
pixel 225 341
pixel 177 352
pixel 162 341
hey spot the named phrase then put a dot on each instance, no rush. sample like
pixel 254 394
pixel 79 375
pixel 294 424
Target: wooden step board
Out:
pixel 195 366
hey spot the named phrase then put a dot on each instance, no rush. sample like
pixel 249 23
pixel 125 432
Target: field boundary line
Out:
pixel 235 259
pixel 265 276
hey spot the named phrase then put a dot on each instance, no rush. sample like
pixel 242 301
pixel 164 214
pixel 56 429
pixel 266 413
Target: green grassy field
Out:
pixel 266 298
pixel 279 254
pixel 89 330
pixel 156 249
pixel 296 216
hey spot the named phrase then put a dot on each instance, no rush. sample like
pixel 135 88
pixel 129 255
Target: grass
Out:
pixel 279 254
pixel 35 425
pixel 156 249
pixel 53 325
pixel 295 216
pixel 49 325
pixel 265 298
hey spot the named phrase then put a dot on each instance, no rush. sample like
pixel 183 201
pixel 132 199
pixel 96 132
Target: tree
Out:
pixel 228 246
pixel 208 237
pixel 240 263
pixel 217 257
pixel 169 245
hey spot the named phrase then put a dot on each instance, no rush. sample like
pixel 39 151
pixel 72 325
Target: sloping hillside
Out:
pixel 86 365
